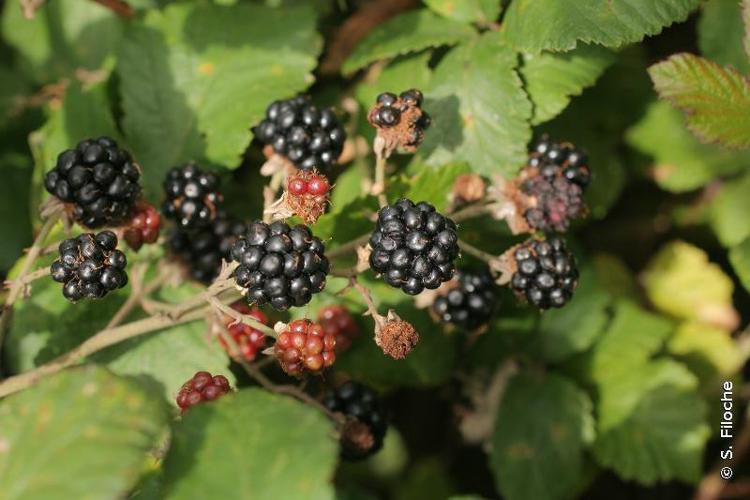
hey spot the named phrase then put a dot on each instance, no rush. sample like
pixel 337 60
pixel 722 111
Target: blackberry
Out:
pixel 298 130
pixel 202 387
pixel 546 272
pixel 400 119
pixel 89 266
pixel 413 246
pixel 305 347
pixel 203 250
pixel 280 265
pixel 98 179
pixel 471 303
pixel 192 196
pixel 554 180
pixel 360 404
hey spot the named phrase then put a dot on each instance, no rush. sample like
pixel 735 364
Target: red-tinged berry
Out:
pixel 336 320
pixel 318 185
pixel 247 339
pixel 143 227
pixel 305 347
pixel 297 186
pixel 202 387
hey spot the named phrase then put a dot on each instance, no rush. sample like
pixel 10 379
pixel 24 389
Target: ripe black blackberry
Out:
pixel 90 266
pixel 202 250
pixel 546 272
pixel 401 118
pixel 413 246
pixel 280 265
pixel 361 405
pixel 192 196
pixel 98 179
pixel 298 130
pixel 471 303
pixel 554 180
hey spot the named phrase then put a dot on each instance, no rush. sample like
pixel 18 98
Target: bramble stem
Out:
pixel 378 187
pixel 469 212
pixel 348 247
pixel 105 338
pixel 242 318
pixel 372 309
pixel 479 254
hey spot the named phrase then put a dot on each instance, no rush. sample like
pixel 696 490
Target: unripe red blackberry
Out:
pixel 202 250
pixel 89 266
pixel 309 137
pixel 247 339
pixel 471 303
pixel 546 273
pixel 413 246
pixel 305 347
pixel 192 197
pixel 280 265
pixel 359 404
pixel 307 195
pixel 336 320
pixel 553 182
pixel 98 179
pixel 143 226
pixel 202 387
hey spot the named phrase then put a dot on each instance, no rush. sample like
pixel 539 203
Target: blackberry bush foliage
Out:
pixel 507 217
pixel 90 266
pixel 413 246
pixel 98 180
pixel 279 265
pixel 308 136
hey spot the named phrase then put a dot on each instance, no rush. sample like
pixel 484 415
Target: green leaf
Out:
pixel 708 351
pixel 13 90
pixel 65 35
pixel 721 33
pixel 552 79
pixel 535 25
pixel 715 100
pixel 746 23
pixel 739 256
pixel 728 211
pixel 480 111
pixel 251 444
pixel 195 78
pixel 467 11
pixel 15 232
pixel 574 328
pixel 652 424
pixel 681 162
pixel 544 423
pixel 681 281
pixel 46 325
pixel 83 434
pixel 435 186
pixel 410 32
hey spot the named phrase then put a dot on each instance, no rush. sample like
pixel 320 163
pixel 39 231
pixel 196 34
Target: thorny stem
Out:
pixel 378 187
pixel 138 294
pixel 479 254
pixel 372 309
pixel 242 318
pixel 348 247
pixel 32 276
pixel 470 212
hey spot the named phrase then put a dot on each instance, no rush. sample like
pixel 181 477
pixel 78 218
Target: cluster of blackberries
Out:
pixel 554 179
pixel 202 387
pixel 471 303
pixel 280 265
pixel 305 347
pixel 546 272
pixel 401 118
pixel 247 339
pixel 192 196
pixel 360 404
pixel 413 246
pixel 203 249
pixel 90 266
pixel 336 320
pixel 143 226
pixel 307 136
pixel 99 179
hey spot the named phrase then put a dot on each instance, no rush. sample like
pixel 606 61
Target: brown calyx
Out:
pixel 356 437
pixel 396 337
